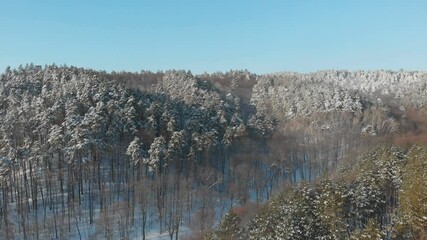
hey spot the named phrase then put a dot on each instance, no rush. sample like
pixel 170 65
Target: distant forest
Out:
pixel 235 155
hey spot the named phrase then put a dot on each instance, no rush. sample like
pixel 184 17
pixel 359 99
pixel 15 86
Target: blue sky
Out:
pixel 215 35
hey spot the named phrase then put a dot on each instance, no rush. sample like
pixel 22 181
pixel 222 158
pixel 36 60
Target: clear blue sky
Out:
pixel 211 35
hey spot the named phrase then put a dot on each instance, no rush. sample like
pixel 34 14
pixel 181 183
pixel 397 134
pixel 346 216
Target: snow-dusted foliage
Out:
pixel 89 154
pixel 368 96
pixel 407 87
pixel 157 161
pixel 291 96
pixel 375 200
pixel 134 151
pixel 182 86
pixel 229 228
pixel 412 213
pixel 92 134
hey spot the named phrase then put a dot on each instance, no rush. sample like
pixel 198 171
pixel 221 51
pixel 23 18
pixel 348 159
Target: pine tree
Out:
pixel 229 228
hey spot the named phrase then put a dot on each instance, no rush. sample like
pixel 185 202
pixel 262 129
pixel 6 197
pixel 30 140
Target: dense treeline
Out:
pixel 382 197
pixel 87 153
pixel 376 100
pixel 77 143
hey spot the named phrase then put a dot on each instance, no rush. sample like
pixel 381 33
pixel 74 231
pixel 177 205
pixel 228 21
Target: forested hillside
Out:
pixel 90 154
pixel 382 197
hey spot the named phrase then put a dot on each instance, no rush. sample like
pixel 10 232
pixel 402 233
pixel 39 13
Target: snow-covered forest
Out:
pixel 90 154
pixel 381 197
